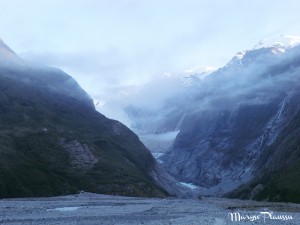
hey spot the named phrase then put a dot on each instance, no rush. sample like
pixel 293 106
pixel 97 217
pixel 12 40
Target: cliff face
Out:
pixel 242 125
pixel 53 141
pixel 276 177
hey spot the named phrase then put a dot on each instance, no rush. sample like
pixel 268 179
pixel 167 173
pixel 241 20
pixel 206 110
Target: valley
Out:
pixel 236 130
pixel 149 112
pixel 94 209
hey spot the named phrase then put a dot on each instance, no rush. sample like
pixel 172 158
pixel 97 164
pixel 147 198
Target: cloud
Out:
pixel 115 47
pixel 259 78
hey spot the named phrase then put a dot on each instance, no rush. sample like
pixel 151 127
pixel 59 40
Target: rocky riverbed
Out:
pixel 88 208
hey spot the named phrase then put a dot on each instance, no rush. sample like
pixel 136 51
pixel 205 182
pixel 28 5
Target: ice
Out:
pixel 189 185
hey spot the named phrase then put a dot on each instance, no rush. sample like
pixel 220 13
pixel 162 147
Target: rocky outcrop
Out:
pixel 81 156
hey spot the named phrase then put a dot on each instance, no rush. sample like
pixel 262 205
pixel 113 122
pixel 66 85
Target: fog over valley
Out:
pixel 149 112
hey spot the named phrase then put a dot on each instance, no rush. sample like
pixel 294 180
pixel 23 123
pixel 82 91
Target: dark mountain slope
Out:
pixel 277 177
pixel 53 142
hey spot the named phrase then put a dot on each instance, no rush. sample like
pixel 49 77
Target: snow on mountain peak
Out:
pixel 237 59
pixel 241 54
pixel 199 70
pixel 277 45
pixel 188 75
pixel 280 43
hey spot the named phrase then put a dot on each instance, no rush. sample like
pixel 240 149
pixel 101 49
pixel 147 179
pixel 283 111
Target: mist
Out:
pixel 256 79
pixel 114 49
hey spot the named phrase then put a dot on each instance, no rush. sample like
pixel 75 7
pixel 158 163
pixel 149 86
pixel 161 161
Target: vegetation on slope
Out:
pixel 47 129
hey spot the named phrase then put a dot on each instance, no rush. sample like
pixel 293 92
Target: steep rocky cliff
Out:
pixel 53 141
pixel 277 173
pixel 242 125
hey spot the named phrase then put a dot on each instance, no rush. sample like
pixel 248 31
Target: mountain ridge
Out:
pixel 54 142
pixel 236 114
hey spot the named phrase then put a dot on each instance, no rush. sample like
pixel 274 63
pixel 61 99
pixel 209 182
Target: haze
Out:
pixel 115 47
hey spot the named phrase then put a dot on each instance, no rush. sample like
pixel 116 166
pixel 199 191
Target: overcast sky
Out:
pixel 111 47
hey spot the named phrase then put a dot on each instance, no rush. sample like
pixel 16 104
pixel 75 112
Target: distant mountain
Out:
pixel 54 142
pixel 157 117
pixel 241 126
pixel 278 44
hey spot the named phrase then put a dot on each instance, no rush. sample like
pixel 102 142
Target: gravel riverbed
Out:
pixel 88 209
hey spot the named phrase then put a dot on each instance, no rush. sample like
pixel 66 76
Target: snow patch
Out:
pixel 188 75
pixel 240 55
pixel 200 70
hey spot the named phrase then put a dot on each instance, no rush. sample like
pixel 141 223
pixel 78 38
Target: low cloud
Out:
pixel 260 77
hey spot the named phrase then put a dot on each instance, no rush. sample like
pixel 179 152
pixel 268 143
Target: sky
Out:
pixel 114 47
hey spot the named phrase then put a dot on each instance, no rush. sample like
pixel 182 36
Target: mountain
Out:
pixel 278 44
pixel 241 127
pixel 54 142
pixel 156 120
